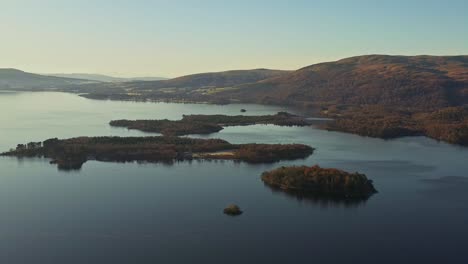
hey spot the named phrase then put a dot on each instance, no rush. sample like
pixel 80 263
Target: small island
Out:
pixel 232 210
pixel 71 154
pixel 320 182
pixel 207 124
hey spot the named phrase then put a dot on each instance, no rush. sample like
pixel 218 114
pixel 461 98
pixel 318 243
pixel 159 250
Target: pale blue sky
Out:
pixel 172 38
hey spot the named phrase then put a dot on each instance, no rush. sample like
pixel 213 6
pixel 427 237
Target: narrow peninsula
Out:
pixel 207 124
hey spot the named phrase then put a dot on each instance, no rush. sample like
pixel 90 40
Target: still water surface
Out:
pixel 156 213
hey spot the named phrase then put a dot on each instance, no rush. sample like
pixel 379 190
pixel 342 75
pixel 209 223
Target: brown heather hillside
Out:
pixel 422 82
pixel 377 95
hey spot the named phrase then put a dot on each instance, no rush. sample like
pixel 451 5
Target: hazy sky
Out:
pixel 171 38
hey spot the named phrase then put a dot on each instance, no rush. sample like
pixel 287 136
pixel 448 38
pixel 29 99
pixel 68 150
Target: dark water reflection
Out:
pixel 161 213
pixel 319 200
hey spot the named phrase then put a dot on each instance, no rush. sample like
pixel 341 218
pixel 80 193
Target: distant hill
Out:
pixel 426 82
pixel 104 78
pixel 416 82
pixel 215 79
pixel 377 95
pixel 186 88
pixel 15 79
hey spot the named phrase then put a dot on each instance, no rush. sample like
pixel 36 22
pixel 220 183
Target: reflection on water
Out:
pixel 319 200
pixel 397 166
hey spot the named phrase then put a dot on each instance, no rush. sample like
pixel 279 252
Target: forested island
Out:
pixel 72 153
pixel 320 182
pixel 207 124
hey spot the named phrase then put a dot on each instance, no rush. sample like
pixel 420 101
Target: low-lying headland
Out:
pixel 74 152
pixel 448 124
pixel 320 182
pixel 207 124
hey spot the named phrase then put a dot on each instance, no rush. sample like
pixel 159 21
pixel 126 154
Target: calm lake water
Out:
pixel 156 213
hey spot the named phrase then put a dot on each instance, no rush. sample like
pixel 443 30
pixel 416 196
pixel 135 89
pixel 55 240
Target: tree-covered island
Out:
pixel 72 153
pixel 320 182
pixel 207 124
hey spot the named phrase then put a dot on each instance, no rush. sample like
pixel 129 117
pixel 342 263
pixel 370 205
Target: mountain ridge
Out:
pixel 217 79
pixel 103 77
pixel 367 79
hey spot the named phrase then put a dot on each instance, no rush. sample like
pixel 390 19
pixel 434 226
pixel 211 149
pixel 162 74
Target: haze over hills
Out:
pixel 194 87
pixel 16 79
pixel 91 83
pixel 104 78
pixel 216 79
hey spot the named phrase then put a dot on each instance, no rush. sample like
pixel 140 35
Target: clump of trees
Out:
pixel 375 121
pixel 320 181
pixel 280 119
pixel 264 153
pixel 232 210
pixel 448 124
pixel 169 127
